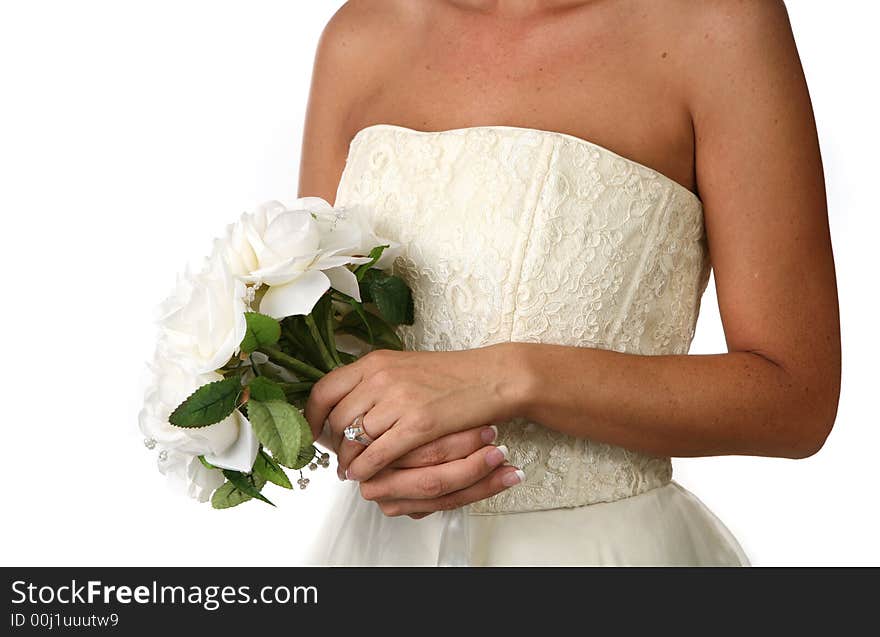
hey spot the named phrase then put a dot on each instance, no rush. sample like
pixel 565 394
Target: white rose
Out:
pixel 197 480
pixel 203 322
pixel 349 229
pixel 171 385
pixel 235 249
pixel 297 257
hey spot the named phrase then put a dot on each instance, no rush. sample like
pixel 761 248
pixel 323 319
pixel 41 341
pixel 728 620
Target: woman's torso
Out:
pixel 520 233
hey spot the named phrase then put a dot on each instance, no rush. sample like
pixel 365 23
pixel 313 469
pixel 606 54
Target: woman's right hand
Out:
pixel 451 471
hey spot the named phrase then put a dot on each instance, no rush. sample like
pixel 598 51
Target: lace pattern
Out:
pixel 515 234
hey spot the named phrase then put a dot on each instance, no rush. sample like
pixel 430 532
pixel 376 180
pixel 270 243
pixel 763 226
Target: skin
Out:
pixel 711 94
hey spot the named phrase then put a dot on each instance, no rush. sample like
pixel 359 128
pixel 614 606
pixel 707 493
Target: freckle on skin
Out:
pixel 664 54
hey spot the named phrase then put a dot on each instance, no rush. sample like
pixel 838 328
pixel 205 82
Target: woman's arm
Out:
pixel 760 177
pixel 342 73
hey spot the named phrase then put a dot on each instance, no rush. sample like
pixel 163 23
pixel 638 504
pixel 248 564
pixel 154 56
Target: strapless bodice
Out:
pixel 518 234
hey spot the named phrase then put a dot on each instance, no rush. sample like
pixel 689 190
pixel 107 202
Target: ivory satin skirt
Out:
pixel 666 526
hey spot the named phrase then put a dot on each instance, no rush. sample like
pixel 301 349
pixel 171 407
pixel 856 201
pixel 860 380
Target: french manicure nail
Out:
pixel 489 434
pixel 513 478
pixel 496 456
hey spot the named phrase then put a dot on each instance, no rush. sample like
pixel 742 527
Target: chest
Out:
pixel 609 81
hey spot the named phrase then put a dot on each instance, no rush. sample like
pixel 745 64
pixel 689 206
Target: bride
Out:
pixel 561 176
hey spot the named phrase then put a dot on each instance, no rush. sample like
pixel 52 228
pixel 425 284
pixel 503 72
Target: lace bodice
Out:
pixel 518 234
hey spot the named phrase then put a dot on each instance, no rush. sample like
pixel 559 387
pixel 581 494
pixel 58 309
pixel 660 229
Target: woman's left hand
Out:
pixel 409 399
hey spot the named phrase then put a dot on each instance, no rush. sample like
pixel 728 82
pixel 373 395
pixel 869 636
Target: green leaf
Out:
pixel 307 449
pixel 262 330
pixel 208 404
pixel 374 255
pixel 271 470
pixel 278 426
pixel 229 495
pixel 394 299
pixel 366 282
pixel 246 484
pixel 263 389
pixel 383 334
pixel 306 455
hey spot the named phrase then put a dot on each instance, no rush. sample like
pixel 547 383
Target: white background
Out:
pixel 132 132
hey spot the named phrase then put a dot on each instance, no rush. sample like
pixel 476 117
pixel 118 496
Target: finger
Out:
pixel 378 419
pixel 428 483
pixel 446 448
pixel 347 452
pixel 502 478
pixel 328 391
pixel 356 402
pixel 390 446
pixel 338 382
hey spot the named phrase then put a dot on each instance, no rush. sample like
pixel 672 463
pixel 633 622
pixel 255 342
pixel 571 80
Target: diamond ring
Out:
pixel 356 432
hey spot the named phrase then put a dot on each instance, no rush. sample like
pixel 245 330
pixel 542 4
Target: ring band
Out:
pixel 356 432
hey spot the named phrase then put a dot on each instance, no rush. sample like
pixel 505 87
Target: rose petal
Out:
pixel 312 204
pixel 283 271
pixel 331 261
pixel 344 280
pixel 240 455
pixel 297 297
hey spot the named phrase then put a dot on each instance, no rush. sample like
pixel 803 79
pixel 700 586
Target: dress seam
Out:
pixel 539 191
pixel 632 290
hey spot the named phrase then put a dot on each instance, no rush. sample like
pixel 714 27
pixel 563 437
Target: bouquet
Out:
pixel 286 295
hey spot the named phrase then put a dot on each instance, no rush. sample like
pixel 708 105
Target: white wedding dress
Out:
pixel 518 234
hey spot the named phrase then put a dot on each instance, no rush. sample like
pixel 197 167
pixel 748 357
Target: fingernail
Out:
pixel 489 434
pixel 348 474
pixel 496 456
pixel 513 478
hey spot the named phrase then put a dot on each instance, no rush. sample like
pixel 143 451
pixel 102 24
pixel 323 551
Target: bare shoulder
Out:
pixel 345 75
pixel 737 17
pixel 362 31
pixel 736 41
pixel 711 24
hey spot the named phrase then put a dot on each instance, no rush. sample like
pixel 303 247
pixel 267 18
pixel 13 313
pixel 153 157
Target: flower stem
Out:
pixel 326 356
pixel 331 334
pixel 295 365
pixel 297 387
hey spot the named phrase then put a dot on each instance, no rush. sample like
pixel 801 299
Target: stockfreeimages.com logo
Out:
pixel 209 598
